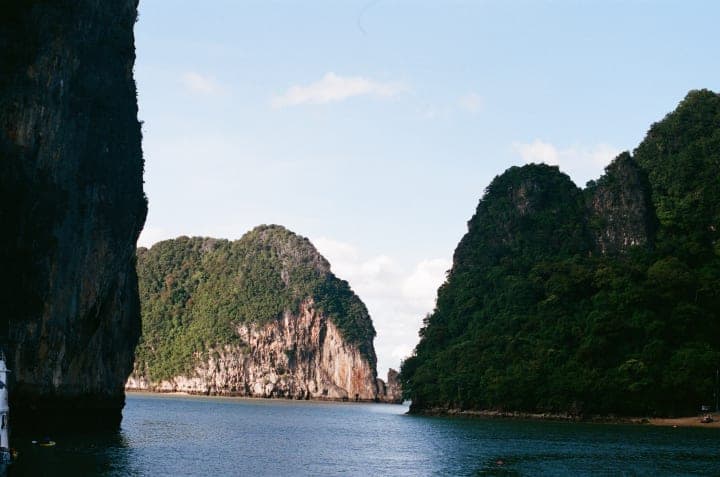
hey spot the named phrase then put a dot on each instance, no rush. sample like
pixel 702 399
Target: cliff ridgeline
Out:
pixel 597 301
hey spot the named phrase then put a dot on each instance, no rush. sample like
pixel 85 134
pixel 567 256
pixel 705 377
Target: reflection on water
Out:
pixel 100 453
pixel 171 435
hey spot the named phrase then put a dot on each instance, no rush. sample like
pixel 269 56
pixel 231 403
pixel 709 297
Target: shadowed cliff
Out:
pixel 72 208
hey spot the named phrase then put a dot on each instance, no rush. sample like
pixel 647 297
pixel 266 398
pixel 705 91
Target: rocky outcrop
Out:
pixel 262 316
pixel 301 356
pixel 621 213
pixel 72 208
pixel 390 391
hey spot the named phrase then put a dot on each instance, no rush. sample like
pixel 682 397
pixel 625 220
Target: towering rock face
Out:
pixel 602 301
pixel 621 213
pixel 262 316
pixel 72 208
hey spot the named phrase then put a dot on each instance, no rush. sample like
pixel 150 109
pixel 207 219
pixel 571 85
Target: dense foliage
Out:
pixel 534 317
pixel 196 291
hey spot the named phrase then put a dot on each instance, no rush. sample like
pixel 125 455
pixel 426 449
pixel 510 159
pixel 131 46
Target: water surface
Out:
pixel 177 435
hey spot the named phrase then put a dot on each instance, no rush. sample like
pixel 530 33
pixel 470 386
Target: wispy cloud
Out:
pixel 397 296
pixel 333 88
pixel 582 163
pixel 471 102
pixel 201 84
pixel 538 151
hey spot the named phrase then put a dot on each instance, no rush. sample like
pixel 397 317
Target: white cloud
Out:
pixel 471 102
pixel 537 151
pixel 333 88
pixel 341 252
pixel 151 235
pixel 581 163
pixel 398 297
pixel 399 353
pixel 421 286
pixel 201 84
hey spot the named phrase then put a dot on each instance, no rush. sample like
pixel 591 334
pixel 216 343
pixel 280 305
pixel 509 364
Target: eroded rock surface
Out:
pixel 620 210
pixel 72 208
pixel 301 356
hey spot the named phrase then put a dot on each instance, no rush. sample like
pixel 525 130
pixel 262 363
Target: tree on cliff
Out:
pixel 590 302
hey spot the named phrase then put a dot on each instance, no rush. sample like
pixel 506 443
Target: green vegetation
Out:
pixel 196 291
pixel 534 317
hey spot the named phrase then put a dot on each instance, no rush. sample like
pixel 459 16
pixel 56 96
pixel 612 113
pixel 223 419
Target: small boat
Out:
pixel 707 419
pixel 46 442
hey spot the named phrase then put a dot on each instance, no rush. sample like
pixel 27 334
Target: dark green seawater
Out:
pixel 182 436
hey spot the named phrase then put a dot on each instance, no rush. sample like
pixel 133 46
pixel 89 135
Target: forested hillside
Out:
pixel 196 292
pixel 597 301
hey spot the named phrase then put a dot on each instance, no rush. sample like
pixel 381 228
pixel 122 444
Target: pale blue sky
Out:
pixel 373 127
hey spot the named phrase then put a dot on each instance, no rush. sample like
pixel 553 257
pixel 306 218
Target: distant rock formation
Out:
pixel 390 391
pixel 263 316
pixel 72 208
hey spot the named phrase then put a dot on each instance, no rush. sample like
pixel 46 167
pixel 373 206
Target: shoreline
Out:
pixel 258 398
pixel 689 421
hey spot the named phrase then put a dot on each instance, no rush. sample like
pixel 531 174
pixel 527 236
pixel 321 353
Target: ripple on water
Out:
pixel 177 435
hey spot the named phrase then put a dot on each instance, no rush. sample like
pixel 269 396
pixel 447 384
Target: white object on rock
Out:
pixel 5 456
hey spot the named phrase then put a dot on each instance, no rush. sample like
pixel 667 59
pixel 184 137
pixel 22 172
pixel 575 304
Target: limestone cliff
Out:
pixel 390 390
pixel 301 356
pixel 262 316
pixel 72 208
pixel 620 210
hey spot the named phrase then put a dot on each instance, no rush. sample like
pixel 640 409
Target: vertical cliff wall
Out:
pixel 71 207
pixel 301 356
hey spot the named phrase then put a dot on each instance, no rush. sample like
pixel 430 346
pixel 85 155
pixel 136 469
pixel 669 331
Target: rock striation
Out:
pixel 300 356
pixel 262 317
pixel 72 208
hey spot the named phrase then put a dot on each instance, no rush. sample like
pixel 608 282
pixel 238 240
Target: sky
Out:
pixel 373 127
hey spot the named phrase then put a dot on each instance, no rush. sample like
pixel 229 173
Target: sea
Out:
pixel 171 435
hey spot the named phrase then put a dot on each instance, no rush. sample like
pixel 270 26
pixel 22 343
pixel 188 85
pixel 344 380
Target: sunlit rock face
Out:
pixel 301 356
pixel 72 208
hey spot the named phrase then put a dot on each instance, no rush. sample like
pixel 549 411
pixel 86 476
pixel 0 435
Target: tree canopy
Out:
pixel 537 316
